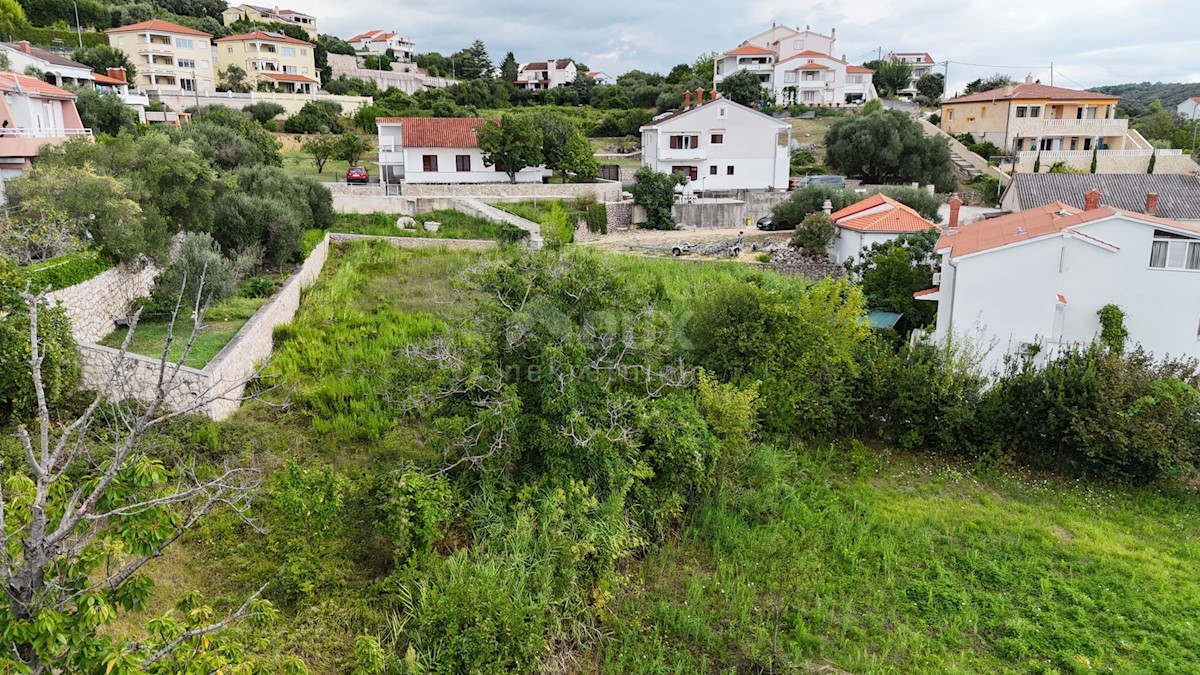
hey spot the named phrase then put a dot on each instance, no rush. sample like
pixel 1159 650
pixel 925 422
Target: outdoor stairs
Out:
pixel 962 166
pixel 484 210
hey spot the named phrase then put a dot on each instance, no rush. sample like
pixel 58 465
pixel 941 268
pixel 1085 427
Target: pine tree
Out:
pixel 508 69
pixel 473 62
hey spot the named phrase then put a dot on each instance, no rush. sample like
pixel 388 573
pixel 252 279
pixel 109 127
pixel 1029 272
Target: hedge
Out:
pixel 45 37
pixel 596 216
pixel 65 271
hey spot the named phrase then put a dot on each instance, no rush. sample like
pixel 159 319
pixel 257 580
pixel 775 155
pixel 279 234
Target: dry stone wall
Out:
pixel 94 305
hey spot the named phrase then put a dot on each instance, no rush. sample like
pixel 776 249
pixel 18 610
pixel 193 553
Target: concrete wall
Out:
pixel 292 103
pixel 94 305
pixel 727 213
pixel 408 82
pixel 961 150
pixel 1112 161
pixel 605 191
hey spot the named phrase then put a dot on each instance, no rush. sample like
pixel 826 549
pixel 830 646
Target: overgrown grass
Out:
pixel 877 563
pixel 300 163
pixel 451 225
pixel 220 325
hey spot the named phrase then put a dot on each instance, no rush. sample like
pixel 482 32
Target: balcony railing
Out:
pixel 50 132
pixel 1074 154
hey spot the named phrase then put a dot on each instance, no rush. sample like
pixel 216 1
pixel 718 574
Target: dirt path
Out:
pixel 627 241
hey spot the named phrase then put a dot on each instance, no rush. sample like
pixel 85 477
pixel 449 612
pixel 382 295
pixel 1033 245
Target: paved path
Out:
pixel 483 210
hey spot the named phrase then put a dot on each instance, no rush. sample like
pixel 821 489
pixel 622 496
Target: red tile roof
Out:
pixel 289 77
pixel 749 50
pixel 362 36
pixel 1034 92
pixel 880 213
pixel 158 25
pixel 813 65
pixel 265 37
pixel 541 65
pixel 810 54
pixel 925 58
pixel 104 79
pixel 858 69
pixel 437 132
pixel 12 82
pixel 928 291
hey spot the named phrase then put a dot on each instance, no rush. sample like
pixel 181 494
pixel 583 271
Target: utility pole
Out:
pixel 1051 73
pixel 945 77
pixel 1195 125
pixel 78 28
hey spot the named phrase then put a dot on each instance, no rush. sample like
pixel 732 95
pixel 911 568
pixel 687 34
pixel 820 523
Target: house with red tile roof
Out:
pixel 543 75
pixel 438 150
pixel 286 62
pixel 33 114
pixel 380 41
pixel 874 220
pixel 798 67
pixel 168 57
pixel 258 14
pixel 1032 282
pixel 1190 108
pixel 921 63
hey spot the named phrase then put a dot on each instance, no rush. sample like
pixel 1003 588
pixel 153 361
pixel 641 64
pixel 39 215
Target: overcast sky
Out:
pixel 1090 42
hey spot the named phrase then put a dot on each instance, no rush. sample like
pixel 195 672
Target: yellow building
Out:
pixel 287 62
pixel 168 56
pixel 256 14
pixel 1032 117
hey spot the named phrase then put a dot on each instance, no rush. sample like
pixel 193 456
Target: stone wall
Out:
pixel 602 191
pixel 408 81
pixel 94 305
pixel 292 103
pixel 620 215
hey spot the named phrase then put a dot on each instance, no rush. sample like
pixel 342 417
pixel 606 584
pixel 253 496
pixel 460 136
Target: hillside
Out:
pixel 1137 96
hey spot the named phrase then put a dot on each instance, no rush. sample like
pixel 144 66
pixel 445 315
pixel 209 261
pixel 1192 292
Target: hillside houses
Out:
pixel 799 67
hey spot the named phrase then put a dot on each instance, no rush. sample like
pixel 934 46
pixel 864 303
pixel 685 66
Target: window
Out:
pixel 1171 251
pixel 187 63
pixel 855 79
pixel 1035 111
pixel 798 44
pixel 187 85
pixel 1022 111
pixel 722 112
pixel 983 111
pixel 184 43
pixel 712 170
pixel 789 76
pixel 429 163
pixel 950 115
pixel 689 171
pixel 462 163
pixel 288 51
pixel 229 50
pixel 291 69
pixel 729 170
pixel 717 139
pixel 121 41
pixel 685 142
pixel 303 51
pixel 304 70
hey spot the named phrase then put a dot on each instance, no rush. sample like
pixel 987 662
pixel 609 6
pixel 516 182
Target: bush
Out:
pixel 920 200
pixel 411 510
pixel 199 260
pixel 60 367
pixel 65 271
pixel 316 117
pixel 264 111
pixel 655 192
pixel 596 216
pixel 558 230
pixel 935 119
pixel 888 146
pixel 811 199
pixel 814 234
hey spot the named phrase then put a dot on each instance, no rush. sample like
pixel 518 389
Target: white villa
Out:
pixel 719 145
pixel 874 220
pixel 1189 109
pixel 1033 281
pixel 798 67
pixel 379 41
pixel 921 64
pixel 438 150
pixel 542 75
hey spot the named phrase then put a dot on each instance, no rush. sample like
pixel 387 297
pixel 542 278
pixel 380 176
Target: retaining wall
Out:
pixel 292 103
pixel 606 191
pixel 1111 163
pixel 94 305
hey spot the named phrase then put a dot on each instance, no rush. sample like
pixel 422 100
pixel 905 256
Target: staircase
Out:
pixel 962 166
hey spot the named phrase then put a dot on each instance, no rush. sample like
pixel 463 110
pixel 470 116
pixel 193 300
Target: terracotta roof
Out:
pixel 264 36
pixel 925 58
pixel 47 56
pixel 289 77
pixel 1178 195
pixel 880 213
pixel 158 25
pixel 813 65
pixel 1034 92
pixel 12 82
pixel 749 50
pixel 362 36
pixel 809 54
pixel 541 65
pixel 858 69
pixel 1062 299
pixel 437 132
pixel 1043 221
pixel 928 291
pixel 104 79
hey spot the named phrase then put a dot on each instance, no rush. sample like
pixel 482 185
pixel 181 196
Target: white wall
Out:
pixel 1189 109
pixel 848 243
pixel 414 168
pixel 750 145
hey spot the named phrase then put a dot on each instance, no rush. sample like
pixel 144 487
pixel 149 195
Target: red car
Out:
pixel 357 174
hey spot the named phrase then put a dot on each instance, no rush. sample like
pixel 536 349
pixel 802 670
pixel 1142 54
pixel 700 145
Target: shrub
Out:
pixel 655 192
pixel 935 119
pixel 596 216
pixel 264 111
pixel 60 367
pixel 814 234
pixel 920 200
pixel 811 199
pixel 65 271
pixel 316 117
pixel 199 260
pixel 557 228
pixel 411 510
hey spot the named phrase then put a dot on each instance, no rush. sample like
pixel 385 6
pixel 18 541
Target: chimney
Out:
pixel 1008 90
pixel 712 96
pixel 1152 204
pixel 116 73
pixel 699 95
pixel 827 207
pixel 955 205
pixel 24 45
pixel 687 100
pixel 1029 79
pixel 1091 200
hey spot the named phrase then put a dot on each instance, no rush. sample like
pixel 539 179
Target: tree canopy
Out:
pixel 888 146
pixel 743 87
pixel 512 144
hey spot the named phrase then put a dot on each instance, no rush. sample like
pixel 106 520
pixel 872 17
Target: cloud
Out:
pixel 1090 42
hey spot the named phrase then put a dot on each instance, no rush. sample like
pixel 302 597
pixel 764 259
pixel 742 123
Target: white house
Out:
pixel 1175 196
pixel 600 77
pixel 542 75
pixel 719 145
pixel 438 150
pixel 55 68
pixel 1190 109
pixel 779 56
pixel 1033 281
pixel 33 114
pixel 921 63
pixel 874 220
pixel 379 41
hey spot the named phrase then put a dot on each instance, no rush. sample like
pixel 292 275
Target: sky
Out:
pixel 1090 42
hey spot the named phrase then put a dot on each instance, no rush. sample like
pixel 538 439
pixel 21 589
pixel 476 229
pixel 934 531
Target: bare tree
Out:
pixel 93 503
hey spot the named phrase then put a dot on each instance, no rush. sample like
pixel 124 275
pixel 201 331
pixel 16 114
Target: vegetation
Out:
pixel 64 271
pixel 888 146
pixel 982 84
pixel 1138 97
pixel 222 322
pixel 892 271
pixel 811 199
pixel 512 144
pixel 743 87
pixel 891 75
pixel 814 234
pixel 655 191
pixel 451 225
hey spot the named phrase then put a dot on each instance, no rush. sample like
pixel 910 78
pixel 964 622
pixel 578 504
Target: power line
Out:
pixel 984 65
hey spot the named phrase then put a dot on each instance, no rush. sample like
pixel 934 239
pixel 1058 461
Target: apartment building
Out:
pixel 285 61
pixel 168 56
pixel 542 75
pixel 380 41
pixel 33 114
pixel 921 63
pixel 798 66
pixel 257 14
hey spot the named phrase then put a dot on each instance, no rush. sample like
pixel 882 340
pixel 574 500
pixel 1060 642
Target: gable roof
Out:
pixel 437 132
pixel 101 78
pixel 813 65
pixel 158 25
pixel 810 54
pixel 289 77
pixel 1033 91
pixel 24 84
pixel 560 64
pixel 264 36
pixel 371 34
pixel 656 123
pixel 1178 195
pixel 925 58
pixel 880 213
pixel 1037 223
pixel 750 50
pixel 858 70
pixel 47 56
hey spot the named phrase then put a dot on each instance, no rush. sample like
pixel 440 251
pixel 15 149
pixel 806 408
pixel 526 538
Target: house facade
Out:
pixel 438 150
pixel 719 145
pixel 921 63
pixel 56 68
pixel 378 42
pixel 285 61
pixel 1189 109
pixel 257 14
pixel 1032 282
pixel 116 82
pixel 601 77
pixel 543 75
pixel 168 56
pixel 798 66
pixel 874 220
pixel 33 114
pixel 1175 196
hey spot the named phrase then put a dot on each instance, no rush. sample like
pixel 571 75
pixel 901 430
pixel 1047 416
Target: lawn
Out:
pixel 300 163
pixel 220 325
pixel 451 225
pixel 812 132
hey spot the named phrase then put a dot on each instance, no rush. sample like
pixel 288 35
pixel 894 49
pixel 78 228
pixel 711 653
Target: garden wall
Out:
pixel 94 305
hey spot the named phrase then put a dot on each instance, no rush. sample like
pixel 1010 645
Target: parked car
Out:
pixel 357 174
pixel 805 181
pixel 769 224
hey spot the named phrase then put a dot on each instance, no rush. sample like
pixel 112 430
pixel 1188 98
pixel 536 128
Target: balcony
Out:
pixel 681 154
pixel 1041 127
pixel 26 142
